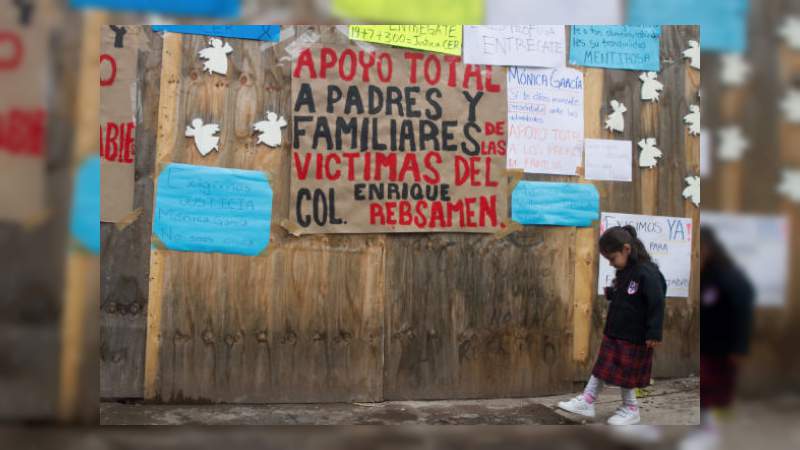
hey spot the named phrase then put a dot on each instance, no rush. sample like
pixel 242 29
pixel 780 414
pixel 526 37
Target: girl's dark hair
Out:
pixel 717 254
pixel 615 238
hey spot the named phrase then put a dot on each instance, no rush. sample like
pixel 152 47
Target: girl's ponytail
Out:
pixel 615 238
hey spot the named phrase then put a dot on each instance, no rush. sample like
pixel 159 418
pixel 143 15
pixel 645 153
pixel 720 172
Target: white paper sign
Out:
pixel 545 120
pixel 668 240
pixel 576 12
pixel 759 245
pixel 705 153
pixel 608 160
pixel 515 45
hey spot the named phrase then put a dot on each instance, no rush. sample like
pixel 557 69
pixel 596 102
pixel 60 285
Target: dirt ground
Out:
pixel 667 402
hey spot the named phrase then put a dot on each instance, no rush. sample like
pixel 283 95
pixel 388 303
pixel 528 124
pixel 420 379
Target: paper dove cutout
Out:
pixel 651 86
pixel 732 143
pixel 790 184
pixel 204 138
pixel 790 32
pixel 693 54
pixel 790 105
pixel 650 154
pixel 692 190
pixel 270 130
pixel 616 121
pixel 735 69
pixel 693 120
pixel 216 56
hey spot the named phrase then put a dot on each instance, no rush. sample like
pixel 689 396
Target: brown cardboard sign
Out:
pixel 23 115
pixel 118 66
pixel 396 141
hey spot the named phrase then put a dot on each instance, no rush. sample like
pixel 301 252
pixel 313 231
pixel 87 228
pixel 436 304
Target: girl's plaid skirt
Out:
pixel 717 381
pixel 624 364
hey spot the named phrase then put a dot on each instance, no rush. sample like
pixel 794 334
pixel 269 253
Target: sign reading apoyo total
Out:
pixel 396 141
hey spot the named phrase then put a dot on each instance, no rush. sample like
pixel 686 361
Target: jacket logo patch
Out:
pixel 633 287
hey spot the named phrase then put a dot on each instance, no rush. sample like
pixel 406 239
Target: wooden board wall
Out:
pixel 373 317
pixel 749 185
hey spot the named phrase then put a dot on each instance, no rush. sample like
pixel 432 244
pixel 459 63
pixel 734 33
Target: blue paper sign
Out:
pixel 213 210
pixel 723 23
pixel 270 33
pixel 229 9
pixel 615 47
pixel 565 204
pixel 84 220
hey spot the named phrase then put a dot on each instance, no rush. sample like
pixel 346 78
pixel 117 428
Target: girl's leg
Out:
pixel 593 389
pixel 629 398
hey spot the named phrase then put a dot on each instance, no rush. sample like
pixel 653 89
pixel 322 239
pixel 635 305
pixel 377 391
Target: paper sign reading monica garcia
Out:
pixel 212 210
pixel 396 141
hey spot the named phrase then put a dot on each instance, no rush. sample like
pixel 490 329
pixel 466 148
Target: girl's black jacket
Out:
pixel 636 311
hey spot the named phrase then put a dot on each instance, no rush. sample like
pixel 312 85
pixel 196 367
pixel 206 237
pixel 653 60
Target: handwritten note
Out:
pixel 545 117
pixel 84 220
pixel 608 160
pixel 450 12
pixel 515 45
pixel 196 8
pixel 616 47
pixel 436 38
pixel 564 204
pixel 256 32
pixel 723 23
pixel 764 259
pixel 211 209
pixel 668 240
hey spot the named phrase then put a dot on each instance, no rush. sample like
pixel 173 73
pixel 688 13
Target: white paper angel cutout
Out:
pixel 651 87
pixel 203 135
pixel 790 105
pixel 270 130
pixel 732 143
pixel 616 121
pixel 735 69
pixel 693 120
pixel 649 154
pixel 790 32
pixel 693 54
pixel 692 190
pixel 790 185
pixel 216 56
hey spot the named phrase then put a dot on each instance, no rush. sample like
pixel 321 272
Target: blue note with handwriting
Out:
pixel 723 23
pixel 546 203
pixel 228 9
pixel 616 47
pixel 213 210
pixel 257 32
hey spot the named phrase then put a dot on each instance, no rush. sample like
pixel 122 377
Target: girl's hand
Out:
pixel 653 344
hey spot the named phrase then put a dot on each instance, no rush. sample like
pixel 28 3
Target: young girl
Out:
pixel 633 326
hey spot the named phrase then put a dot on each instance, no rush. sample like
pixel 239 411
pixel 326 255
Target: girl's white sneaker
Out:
pixel 625 416
pixel 578 405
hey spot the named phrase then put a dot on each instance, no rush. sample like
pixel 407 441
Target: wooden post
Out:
pixel 82 284
pixel 165 140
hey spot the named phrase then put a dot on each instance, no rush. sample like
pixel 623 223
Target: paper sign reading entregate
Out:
pixel 396 141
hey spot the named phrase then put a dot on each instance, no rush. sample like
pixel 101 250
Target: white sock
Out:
pixel 593 389
pixel 629 398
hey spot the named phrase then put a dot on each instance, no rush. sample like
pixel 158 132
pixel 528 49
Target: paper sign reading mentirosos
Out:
pixel 435 38
pixel 515 45
pixel 668 240
pixel 616 47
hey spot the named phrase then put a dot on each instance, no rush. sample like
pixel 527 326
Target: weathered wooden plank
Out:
pixel 125 249
pixel 302 323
